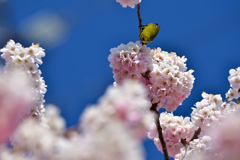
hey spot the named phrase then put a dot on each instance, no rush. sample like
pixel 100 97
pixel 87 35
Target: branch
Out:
pixel 146 74
pixel 226 99
pixel 195 136
pixel 139 17
pixel 159 129
pixel 186 143
pixel 154 106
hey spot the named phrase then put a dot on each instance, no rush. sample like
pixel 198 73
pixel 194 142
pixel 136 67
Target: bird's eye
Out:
pixel 142 38
pixel 148 39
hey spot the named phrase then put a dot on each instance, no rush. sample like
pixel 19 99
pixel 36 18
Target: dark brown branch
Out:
pixel 185 142
pixel 146 74
pixel 195 136
pixel 139 18
pixel 159 129
pixel 226 99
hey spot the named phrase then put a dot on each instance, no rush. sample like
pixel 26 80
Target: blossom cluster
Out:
pixel 165 74
pixel 220 142
pixel 56 123
pixel 174 129
pixel 198 149
pixel 108 141
pixel 39 140
pixel 208 111
pixel 130 61
pixel 27 60
pixel 143 77
pixel 211 110
pixel 33 138
pixel 234 80
pixel 126 103
pixel 121 116
pixel 130 3
pixel 219 123
pixel 170 83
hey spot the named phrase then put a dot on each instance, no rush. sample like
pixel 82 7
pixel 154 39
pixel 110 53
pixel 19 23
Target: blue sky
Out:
pixel 78 34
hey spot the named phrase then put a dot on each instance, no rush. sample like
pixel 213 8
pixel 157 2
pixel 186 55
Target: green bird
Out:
pixel 149 32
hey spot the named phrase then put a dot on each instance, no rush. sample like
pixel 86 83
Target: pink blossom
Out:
pixel 174 129
pixel 130 61
pixel 130 3
pixel 170 83
pixel 15 102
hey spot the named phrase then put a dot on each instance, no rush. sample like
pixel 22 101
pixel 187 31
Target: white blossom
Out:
pixel 27 59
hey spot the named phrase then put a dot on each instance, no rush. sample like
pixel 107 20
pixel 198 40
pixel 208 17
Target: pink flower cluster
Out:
pixel 219 122
pixel 208 111
pixel 174 129
pixel 198 149
pixel 163 73
pixel 32 137
pixel 15 102
pixel 130 3
pixel 130 61
pixel 170 83
pixel 211 110
pixel 220 142
pixel 126 103
pixel 40 141
pixel 28 60
pixel 234 80
pixel 106 131
pixel 121 116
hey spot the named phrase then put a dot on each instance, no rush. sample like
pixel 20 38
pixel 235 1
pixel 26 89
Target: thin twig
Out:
pixel 226 99
pixel 159 129
pixel 139 18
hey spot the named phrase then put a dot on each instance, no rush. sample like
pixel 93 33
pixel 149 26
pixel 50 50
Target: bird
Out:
pixel 149 32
